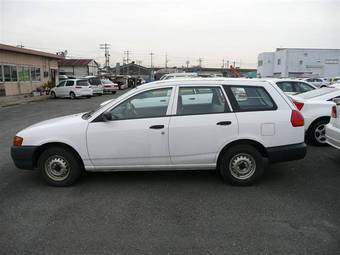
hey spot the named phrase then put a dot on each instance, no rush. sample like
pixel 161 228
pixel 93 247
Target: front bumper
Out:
pixel 333 136
pixel 287 152
pixel 23 156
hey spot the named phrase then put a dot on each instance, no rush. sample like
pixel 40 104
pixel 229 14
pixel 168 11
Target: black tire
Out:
pixel 72 95
pixel 315 130
pixel 248 156
pixel 51 162
pixel 88 96
pixel 114 92
pixel 53 95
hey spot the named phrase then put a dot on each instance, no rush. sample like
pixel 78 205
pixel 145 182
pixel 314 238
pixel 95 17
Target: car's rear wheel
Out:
pixel 241 165
pixel 72 95
pixel 59 166
pixel 53 95
pixel 317 132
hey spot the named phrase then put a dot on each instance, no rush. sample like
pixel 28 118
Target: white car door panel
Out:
pixel 197 139
pixel 120 143
pixel 138 135
pixel 202 125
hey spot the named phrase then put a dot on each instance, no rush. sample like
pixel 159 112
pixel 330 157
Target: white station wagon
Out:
pixel 233 125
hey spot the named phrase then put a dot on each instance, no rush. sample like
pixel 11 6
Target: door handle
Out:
pixel 223 123
pixel 157 127
pixel 191 98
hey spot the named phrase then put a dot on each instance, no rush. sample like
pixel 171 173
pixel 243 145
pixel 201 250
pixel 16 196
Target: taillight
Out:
pixel 17 141
pixel 298 104
pixel 334 112
pixel 297 119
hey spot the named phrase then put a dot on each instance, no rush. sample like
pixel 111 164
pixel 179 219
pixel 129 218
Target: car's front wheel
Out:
pixel 59 166
pixel 241 165
pixel 53 95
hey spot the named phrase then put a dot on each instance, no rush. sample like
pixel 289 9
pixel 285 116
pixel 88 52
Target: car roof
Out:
pixel 204 81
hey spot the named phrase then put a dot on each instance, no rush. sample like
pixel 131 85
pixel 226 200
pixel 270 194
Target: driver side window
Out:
pixel 148 104
pixel 61 84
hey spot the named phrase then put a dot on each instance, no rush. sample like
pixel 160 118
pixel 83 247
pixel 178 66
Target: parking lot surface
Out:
pixel 295 209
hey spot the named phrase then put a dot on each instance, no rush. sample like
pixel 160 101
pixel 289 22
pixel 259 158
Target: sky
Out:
pixel 214 30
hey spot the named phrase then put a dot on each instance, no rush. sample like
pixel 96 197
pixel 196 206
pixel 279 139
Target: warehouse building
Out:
pixel 78 67
pixel 298 62
pixel 24 70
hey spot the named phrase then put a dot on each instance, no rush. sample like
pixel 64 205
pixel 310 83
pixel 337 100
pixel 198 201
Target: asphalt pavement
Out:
pixel 295 209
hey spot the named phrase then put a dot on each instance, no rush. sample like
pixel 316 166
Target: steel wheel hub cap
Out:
pixel 320 133
pixel 242 166
pixel 57 168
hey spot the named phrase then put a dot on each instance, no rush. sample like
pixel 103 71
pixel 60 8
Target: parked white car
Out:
pixel 72 88
pixel 109 86
pixel 315 107
pixel 177 124
pixel 333 128
pixel 178 76
pixel 96 85
pixel 293 87
pixel 318 82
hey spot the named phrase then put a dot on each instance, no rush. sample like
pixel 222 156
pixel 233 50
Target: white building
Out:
pixel 296 62
pixel 78 67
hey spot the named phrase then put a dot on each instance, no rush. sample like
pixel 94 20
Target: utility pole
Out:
pixel 166 62
pixel 106 47
pixel 187 63
pixel 127 60
pixel 139 63
pixel 200 60
pixel 151 65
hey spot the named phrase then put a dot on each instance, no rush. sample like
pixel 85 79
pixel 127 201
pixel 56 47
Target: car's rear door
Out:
pixel 202 123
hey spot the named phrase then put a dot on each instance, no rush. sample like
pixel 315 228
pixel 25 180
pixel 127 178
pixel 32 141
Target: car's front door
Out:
pixel 68 87
pixel 202 125
pixel 59 88
pixel 136 137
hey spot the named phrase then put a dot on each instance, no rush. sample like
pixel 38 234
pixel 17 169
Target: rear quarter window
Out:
pixel 250 98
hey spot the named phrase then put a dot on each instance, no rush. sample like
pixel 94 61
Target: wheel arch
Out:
pixel 327 118
pixel 46 146
pixel 254 143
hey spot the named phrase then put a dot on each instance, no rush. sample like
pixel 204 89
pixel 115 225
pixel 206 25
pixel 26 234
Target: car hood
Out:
pixel 57 122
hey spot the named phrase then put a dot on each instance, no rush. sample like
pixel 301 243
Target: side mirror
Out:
pixel 107 116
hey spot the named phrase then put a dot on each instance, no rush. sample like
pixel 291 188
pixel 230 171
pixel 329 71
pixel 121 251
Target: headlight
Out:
pixel 17 141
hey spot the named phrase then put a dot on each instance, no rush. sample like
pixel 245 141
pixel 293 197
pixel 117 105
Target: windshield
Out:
pixel 95 81
pixel 106 82
pixel 317 93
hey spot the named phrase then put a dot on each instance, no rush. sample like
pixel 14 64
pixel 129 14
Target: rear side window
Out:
pixel 286 86
pixel 250 98
pixel 201 100
pixel 82 83
pixel 303 87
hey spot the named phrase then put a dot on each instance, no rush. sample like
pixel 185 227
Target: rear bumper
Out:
pixel 23 156
pixel 333 136
pixel 287 152
pixel 84 93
